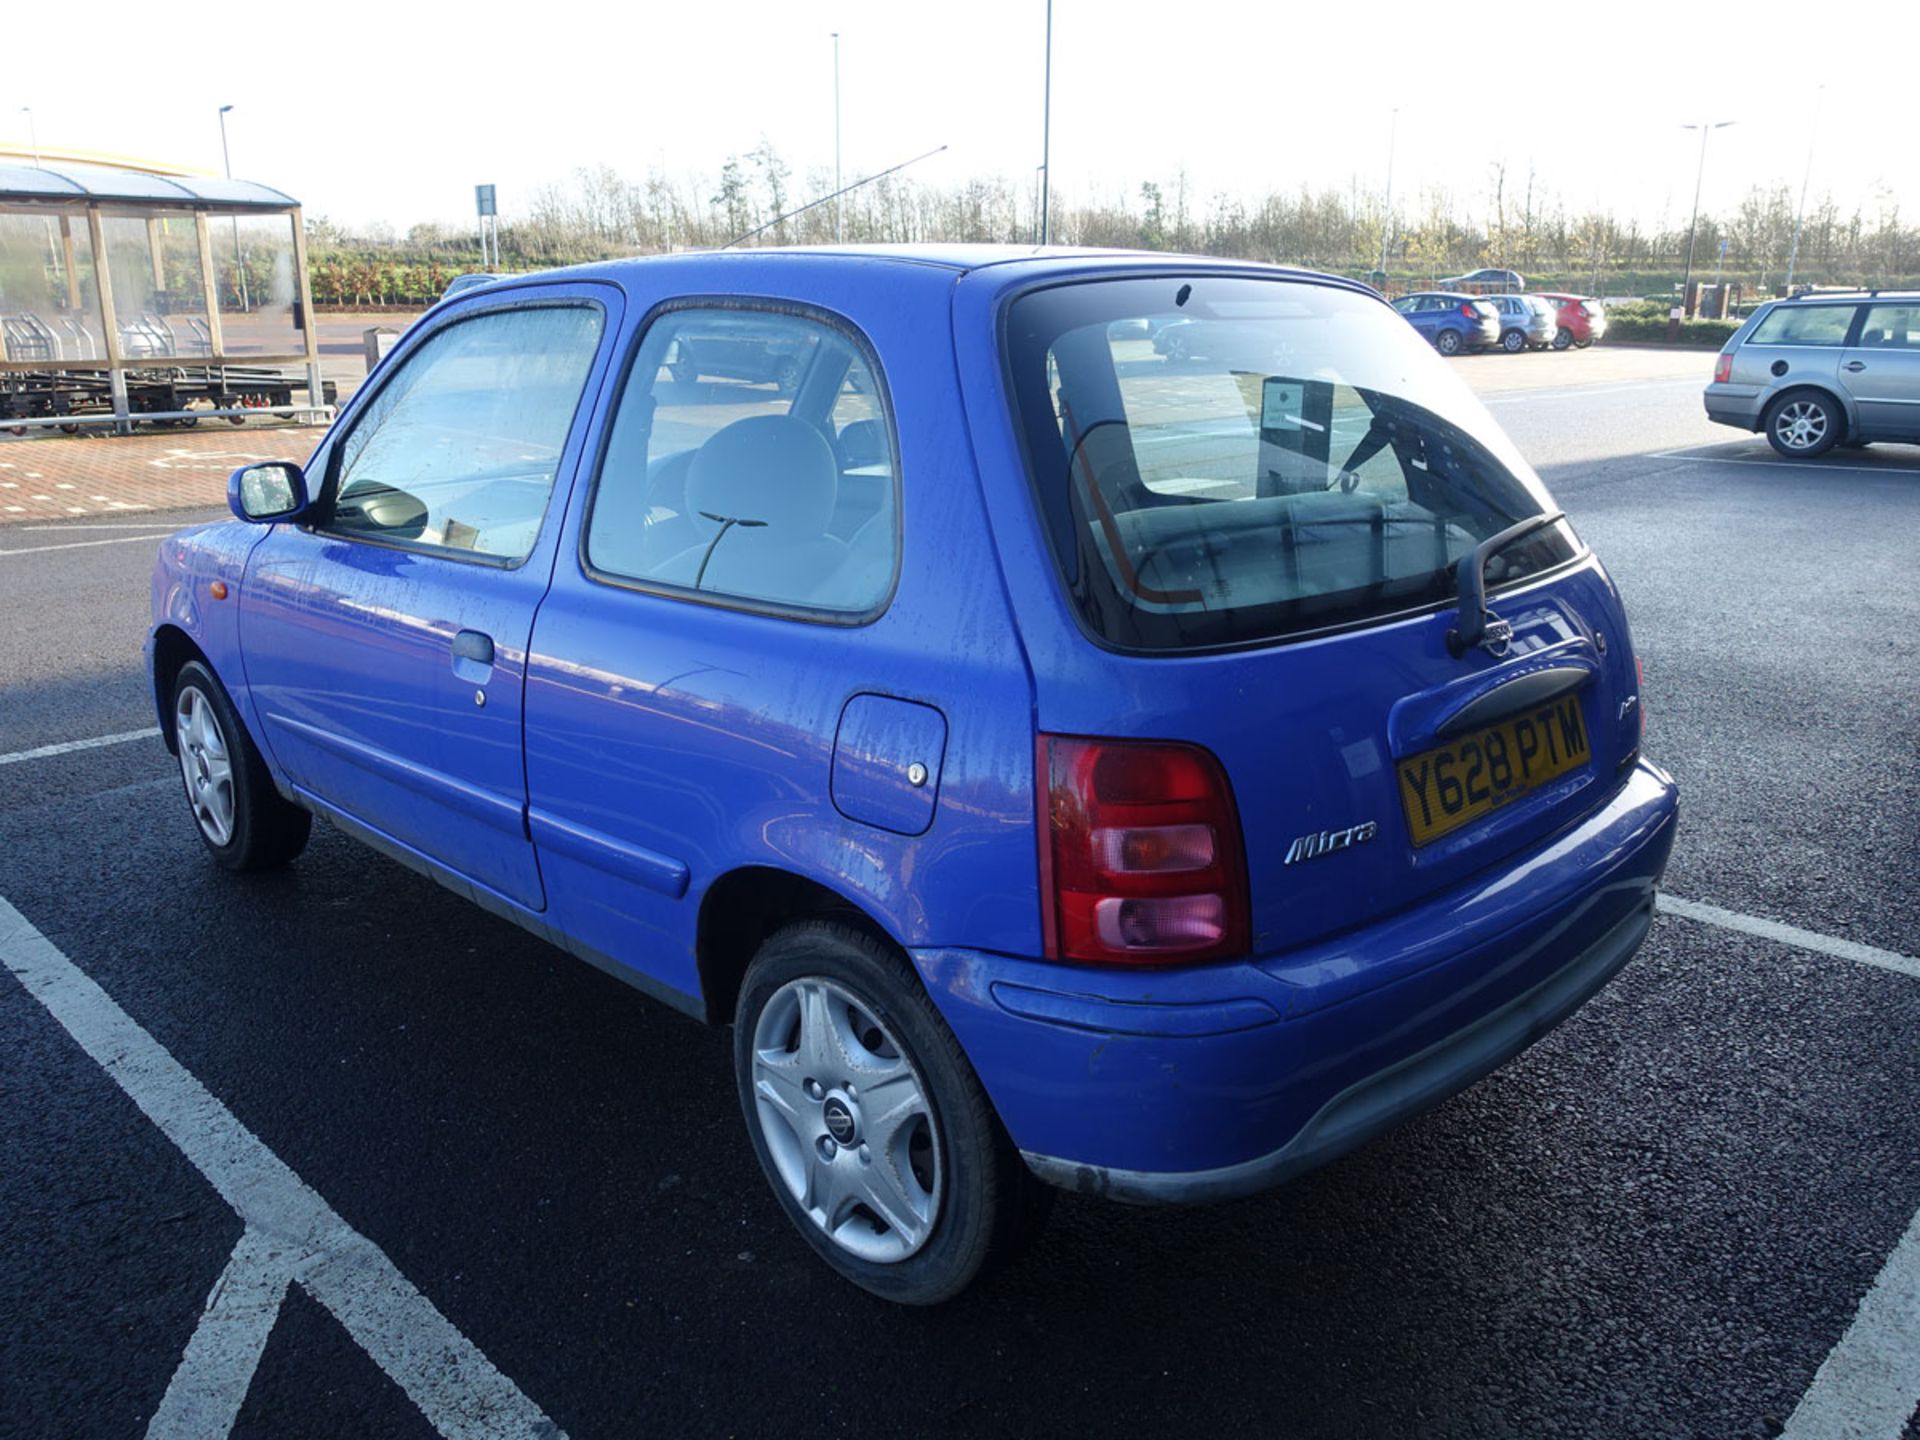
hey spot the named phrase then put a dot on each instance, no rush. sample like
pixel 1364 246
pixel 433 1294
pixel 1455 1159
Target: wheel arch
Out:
pixel 173 648
pixel 1848 412
pixel 746 905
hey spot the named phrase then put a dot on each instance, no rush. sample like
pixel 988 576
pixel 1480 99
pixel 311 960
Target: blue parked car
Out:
pixel 1452 323
pixel 1063 766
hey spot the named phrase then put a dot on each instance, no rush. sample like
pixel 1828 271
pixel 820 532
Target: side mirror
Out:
pixel 272 490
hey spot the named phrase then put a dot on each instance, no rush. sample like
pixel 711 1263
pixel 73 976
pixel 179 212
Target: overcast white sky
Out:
pixel 417 103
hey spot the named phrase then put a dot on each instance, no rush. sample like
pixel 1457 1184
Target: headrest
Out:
pixel 770 468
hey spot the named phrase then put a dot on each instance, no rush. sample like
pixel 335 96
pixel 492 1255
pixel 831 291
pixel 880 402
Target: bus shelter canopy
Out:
pixel 100 184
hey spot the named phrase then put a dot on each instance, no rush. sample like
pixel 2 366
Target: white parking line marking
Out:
pixel 67 747
pixel 81 544
pixel 1514 397
pixel 1870 1383
pixel 1791 935
pixel 209 1387
pixel 456 1387
pixel 1694 454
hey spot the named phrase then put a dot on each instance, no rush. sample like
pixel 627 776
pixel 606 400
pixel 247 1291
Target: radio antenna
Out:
pixel 847 190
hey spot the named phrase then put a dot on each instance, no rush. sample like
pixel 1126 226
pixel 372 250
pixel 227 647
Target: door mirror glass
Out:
pixel 272 490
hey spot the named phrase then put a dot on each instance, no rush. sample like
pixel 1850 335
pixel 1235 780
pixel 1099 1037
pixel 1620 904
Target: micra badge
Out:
pixel 1312 847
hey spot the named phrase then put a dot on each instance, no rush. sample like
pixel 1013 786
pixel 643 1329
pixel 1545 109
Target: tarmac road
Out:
pixel 1659 1222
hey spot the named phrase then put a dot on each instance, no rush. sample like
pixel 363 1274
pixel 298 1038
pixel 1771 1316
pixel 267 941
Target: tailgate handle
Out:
pixel 1523 692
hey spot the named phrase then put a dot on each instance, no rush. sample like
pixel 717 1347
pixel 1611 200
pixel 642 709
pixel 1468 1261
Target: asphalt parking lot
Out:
pixel 331 1152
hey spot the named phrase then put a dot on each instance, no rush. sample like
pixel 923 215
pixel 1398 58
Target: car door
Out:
pixel 689 671
pixel 1882 372
pixel 385 636
pixel 1424 312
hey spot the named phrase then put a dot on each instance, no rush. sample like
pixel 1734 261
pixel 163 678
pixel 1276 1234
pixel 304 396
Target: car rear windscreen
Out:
pixel 1225 461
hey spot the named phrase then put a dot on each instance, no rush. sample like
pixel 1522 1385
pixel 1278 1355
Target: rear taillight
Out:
pixel 1723 369
pixel 1141 861
pixel 1640 678
pixel 1469 311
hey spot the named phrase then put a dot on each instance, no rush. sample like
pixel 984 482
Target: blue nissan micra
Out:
pixel 1064 763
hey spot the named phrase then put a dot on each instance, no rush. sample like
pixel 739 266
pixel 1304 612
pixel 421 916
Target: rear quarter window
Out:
pixel 1804 325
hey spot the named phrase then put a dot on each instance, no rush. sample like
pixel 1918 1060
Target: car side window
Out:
pixel 458 452
pixel 1804 325
pixel 1891 327
pixel 751 458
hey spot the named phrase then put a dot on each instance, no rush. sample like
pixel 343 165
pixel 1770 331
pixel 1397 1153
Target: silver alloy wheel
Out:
pixel 204 764
pixel 1801 424
pixel 846 1119
pixel 1448 342
pixel 1513 342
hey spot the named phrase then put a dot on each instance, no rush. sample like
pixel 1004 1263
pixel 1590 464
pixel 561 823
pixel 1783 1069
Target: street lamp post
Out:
pixel 1800 215
pixel 1046 137
pixel 1699 175
pixel 839 222
pixel 239 259
pixel 1386 220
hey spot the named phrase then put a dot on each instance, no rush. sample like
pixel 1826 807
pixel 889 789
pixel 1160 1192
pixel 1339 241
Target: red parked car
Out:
pixel 1582 321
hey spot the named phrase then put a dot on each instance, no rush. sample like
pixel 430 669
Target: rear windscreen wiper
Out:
pixel 1472 628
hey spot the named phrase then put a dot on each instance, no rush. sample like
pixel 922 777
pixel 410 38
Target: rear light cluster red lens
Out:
pixel 1640 675
pixel 1723 370
pixel 1141 861
pixel 1468 311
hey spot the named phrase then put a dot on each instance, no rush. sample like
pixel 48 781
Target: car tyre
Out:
pixel 1562 338
pixel 1447 342
pixel 1582 344
pixel 830 1017
pixel 1513 342
pixel 242 819
pixel 1802 424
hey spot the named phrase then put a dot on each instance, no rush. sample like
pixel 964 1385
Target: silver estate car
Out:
pixel 1526 321
pixel 1818 371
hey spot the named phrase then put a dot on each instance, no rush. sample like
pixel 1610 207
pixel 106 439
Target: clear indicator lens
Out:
pixel 1154 849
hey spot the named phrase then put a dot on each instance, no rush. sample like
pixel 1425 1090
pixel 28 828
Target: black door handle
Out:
pixel 472 645
pixel 1855 365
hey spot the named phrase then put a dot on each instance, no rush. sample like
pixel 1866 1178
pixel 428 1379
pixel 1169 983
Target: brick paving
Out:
pixel 54 478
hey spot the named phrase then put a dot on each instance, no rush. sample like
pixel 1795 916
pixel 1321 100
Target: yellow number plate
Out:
pixel 1449 787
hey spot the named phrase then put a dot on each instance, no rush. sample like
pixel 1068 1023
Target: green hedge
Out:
pixel 1646 322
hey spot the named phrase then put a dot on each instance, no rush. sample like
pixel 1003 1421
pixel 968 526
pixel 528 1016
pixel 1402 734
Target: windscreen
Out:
pixel 1223 461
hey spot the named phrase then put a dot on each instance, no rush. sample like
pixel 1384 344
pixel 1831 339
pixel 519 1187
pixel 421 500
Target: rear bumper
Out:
pixel 1197 1085
pixel 1737 405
